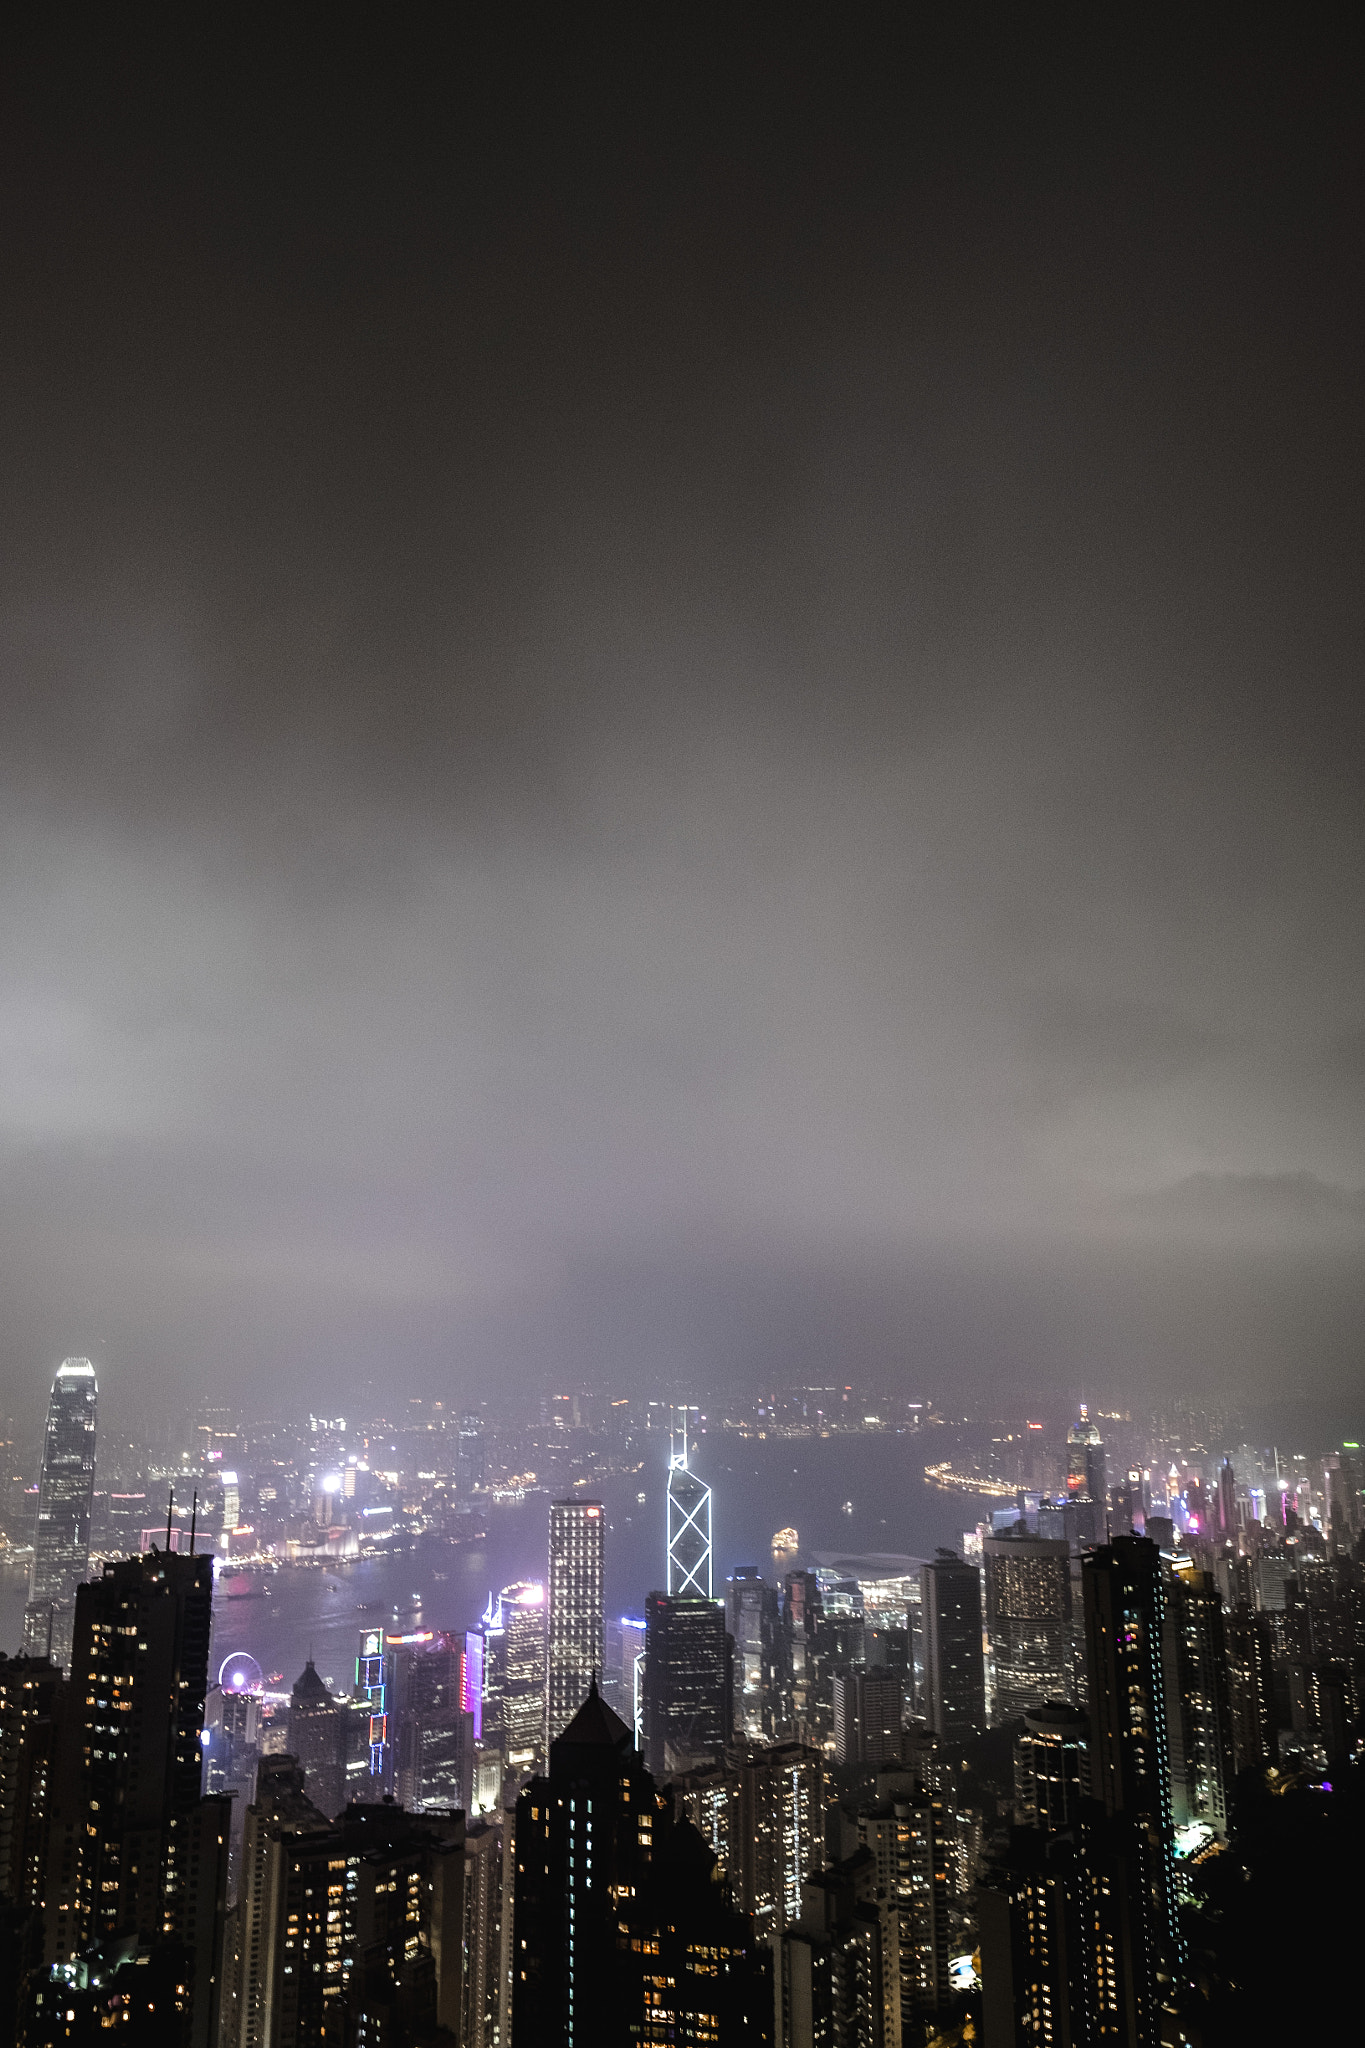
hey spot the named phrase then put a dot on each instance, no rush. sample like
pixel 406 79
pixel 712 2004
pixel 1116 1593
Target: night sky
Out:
pixel 681 702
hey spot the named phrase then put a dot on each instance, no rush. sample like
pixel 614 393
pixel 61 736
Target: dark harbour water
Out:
pixel 758 1488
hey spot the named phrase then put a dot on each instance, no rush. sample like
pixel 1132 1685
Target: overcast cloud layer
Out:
pixel 685 713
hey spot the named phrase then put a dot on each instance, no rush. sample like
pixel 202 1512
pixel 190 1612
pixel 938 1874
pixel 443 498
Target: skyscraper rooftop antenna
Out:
pixel 677 1459
pixel 170 1509
pixel 194 1517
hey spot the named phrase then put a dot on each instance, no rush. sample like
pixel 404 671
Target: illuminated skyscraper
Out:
pixel 61 1543
pixel 1198 1712
pixel 689 1525
pixel 575 1613
pixel 1086 1475
pixel 752 1614
pixel 372 1678
pixel 1130 1850
pixel 687 1684
pixel 868 1706
pixel 431 1730
pixel 1028 1621
pixel 522 1610
pixel 1227 1502
pixel 504 1674
pixel 471 1465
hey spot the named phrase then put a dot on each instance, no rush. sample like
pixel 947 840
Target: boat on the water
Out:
pixel 786 1543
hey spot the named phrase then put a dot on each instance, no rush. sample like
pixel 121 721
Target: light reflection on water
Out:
pixel 759 1487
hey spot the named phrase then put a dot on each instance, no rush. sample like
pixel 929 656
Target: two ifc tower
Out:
pixel 61 1541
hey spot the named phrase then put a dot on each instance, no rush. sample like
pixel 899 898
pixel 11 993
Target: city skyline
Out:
pixel 682 1031
pixel 814 1781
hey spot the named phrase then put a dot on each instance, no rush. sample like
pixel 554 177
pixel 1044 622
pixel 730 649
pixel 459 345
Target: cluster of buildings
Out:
pixel 851 1802
pixel 324 1488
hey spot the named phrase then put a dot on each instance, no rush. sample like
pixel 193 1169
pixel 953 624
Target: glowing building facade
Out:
pixel 61 1542
pixel 689 1527
pixel 575 1617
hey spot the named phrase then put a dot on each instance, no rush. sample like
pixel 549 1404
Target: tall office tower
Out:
pixel 482 1904
pixel 231 1506
pixel 955 1673
pixel 841 1647
pixel 485 1672
pixel 232 1738
pixel 505 1660
pixel 1051 1769
pixel 621 1687
pixel 61 1541
pixel 1130 1848
pixel 522 1612
pixel 1198 1712
pixel 752 1615
pixel 471 1458
pixel 372 1676
pixel 134 1853
pixel 1250 1686
pixel 777 1831
pixel 1236 1576
pixel 1086 1475
pixel 232 1741
pixel 431 1730
pixel 868 1709
pixel 890 1648
pixel 1028 1621
pixel 350 1931
pixel 1343 1485
pixel 802 1616
pixel 620 1932
pixel 687 1684
pixel 836 1971
pixel 317 1737
pixel 574 1632
pixel 907 1837
pixel 689 1524
pixel 1227 1502
pixel 29 1690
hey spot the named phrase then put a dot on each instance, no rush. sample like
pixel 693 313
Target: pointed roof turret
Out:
pixel 595 1725
pixel 309 1689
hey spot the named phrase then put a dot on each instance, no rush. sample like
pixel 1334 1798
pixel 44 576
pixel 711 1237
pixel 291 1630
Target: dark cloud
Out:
pixel 677 704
